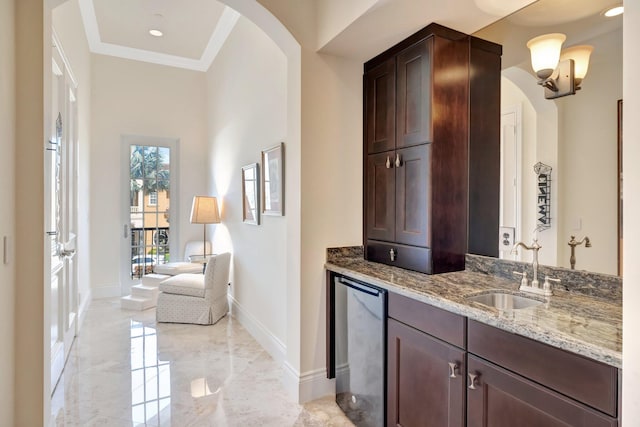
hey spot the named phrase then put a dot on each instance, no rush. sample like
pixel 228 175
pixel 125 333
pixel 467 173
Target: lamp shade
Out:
pixel 204 210
pixel 545 53
pixel 580 55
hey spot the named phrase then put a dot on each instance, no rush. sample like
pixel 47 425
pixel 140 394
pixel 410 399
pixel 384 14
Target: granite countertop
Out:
pixel 582 324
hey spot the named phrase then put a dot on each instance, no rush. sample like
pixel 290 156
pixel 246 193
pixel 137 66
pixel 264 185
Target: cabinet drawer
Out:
pixel 439 323
pixel 500 398
pixel 585 380
pixel 408 257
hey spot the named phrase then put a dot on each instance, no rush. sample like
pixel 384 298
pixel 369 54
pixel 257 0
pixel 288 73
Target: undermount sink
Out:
pixel 505 301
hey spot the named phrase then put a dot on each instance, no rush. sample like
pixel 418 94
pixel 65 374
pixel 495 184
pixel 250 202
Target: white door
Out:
pixel 149 198
pixel 510 176
pixel 61 208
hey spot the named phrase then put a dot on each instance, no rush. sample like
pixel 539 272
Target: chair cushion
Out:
pixel 173 268
pixel 184 284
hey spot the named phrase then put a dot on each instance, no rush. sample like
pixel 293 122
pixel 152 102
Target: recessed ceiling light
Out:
pixel 156 33
pixel 614 11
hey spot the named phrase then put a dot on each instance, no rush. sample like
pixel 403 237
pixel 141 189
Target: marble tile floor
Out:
pixel 124 370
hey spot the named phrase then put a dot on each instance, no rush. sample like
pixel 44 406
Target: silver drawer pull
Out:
pixel 453 367
pixel 398 161
pixel 388 163
pixel 472 381
pixel 392 254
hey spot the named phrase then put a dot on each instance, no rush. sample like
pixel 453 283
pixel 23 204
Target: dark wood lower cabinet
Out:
pixel 501 398
pixel 423 389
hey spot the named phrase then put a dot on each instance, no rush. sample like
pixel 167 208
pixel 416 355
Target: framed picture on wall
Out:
pixel 251 194
pixel 272 178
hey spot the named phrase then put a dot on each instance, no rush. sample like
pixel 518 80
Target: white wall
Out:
pixel 67 24
pixel 331 179
pixel 33 79
pixel 247 113
pixel 588 160
pixel 631 273
pixel 333 16
pixel 7 218
pixel 137 98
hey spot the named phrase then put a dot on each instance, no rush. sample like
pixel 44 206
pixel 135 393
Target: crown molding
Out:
pixel 225 25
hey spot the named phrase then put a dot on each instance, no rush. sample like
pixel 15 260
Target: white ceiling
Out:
pixel 194 31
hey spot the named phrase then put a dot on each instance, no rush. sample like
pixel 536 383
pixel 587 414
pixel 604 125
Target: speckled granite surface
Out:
pixel 578 281
pixel 578 323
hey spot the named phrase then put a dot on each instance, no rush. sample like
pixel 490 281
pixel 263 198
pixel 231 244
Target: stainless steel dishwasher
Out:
pixel 360 351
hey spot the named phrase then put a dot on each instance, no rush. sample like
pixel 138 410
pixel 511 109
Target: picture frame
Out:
pixel 251 194
pixel 272 180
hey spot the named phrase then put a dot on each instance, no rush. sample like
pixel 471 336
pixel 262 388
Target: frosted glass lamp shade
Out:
pixel 545 53
pixel 204 210
pixel 580 55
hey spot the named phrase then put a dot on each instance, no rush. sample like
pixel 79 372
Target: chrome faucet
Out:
pixel 573 243
pixel 535 247
pixel 533 286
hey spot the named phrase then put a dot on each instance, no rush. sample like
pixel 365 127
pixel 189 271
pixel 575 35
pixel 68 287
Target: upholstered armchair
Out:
pixel 196 298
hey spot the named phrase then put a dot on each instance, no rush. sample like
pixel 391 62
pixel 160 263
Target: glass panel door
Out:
pixel 149 189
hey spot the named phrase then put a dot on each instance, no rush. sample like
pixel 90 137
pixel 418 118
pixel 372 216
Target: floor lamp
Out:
pixel 204 210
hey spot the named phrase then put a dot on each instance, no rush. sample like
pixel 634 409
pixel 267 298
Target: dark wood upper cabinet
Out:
pixel 412 195
pixel 413 106
pixel 380 196
pixel 430 106
pixel 380 99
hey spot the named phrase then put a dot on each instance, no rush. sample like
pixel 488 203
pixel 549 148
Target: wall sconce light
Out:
pixel 560 73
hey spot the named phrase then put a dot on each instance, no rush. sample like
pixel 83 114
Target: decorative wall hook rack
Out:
pixel 543 196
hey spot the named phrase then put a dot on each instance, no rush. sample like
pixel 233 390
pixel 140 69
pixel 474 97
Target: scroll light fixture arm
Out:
pixel 561 82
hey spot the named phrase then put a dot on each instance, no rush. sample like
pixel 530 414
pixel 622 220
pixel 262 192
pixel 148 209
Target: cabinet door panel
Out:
pixel 412 196
pixel 420 390
pixel 413 111
pixel 380 214
pixel 380 100
pixel 504 399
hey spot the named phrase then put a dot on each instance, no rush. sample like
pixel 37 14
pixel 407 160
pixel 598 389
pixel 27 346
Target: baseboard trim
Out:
pixel 315 384
pixel 258 331
pixel 83 307
pixel 301 388
pixel 108 291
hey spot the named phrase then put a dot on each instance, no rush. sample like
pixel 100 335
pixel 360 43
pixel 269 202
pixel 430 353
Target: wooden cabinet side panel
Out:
pixel 380 99
pixel 449 154
pixel 330 340
pixel 413 91
pixel 380 197
pixel 504 399
pixel 412 196
pixel 484 152
pixel 420 391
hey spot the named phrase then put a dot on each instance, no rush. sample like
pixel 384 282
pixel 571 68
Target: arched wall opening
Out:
pixel 290 304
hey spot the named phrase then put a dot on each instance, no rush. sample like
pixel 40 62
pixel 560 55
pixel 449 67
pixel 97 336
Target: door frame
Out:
pixel 126 282
pixel 62 269
pixel 515 109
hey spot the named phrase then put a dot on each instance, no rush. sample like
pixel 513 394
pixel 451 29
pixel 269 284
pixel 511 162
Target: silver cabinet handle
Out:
pixel 392 254
pixel 472 381
pixel 398 161
pixel 388 163
pixel 453 367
